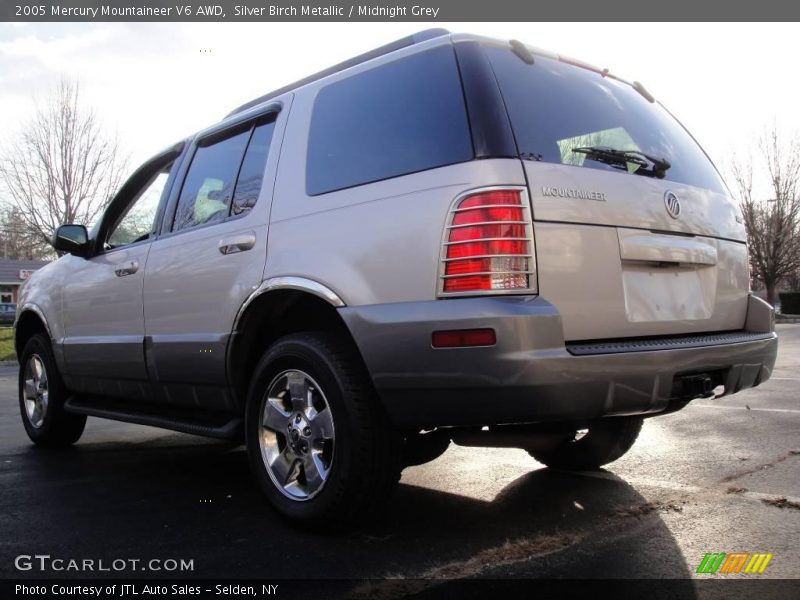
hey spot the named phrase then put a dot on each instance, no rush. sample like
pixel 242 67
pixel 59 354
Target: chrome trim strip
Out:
pixel 471 273
pixel 473 256
pixel 458 210
pixel 451 227
pixel 289 283
pixel 491 239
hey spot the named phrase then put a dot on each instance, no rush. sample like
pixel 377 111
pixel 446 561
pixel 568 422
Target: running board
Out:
pixel 215 426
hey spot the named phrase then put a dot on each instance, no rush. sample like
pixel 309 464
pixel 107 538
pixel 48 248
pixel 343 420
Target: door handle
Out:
pixel 237 243
pixel 128 268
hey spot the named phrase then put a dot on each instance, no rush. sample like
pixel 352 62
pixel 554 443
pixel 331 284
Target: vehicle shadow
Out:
pixel 175 496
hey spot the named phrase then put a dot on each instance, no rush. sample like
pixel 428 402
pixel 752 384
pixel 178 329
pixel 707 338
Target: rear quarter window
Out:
pixel 403 117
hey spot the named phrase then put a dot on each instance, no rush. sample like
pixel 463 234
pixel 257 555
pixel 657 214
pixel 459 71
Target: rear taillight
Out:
pixel 488 245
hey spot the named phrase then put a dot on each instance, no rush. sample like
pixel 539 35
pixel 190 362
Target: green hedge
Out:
pixel 790 303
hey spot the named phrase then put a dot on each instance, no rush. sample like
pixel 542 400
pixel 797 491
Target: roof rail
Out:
pixel 410 40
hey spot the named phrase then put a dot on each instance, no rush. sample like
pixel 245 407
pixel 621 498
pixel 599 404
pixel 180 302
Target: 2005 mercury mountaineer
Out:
pixel 450 238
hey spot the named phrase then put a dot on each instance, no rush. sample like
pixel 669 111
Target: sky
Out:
pixel 154 84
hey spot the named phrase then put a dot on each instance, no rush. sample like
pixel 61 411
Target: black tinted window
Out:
pixel 555 107
pixel 208 187
pixel 403 117
pixel 251 174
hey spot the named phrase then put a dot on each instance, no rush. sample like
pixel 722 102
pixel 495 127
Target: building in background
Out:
pixel 12 275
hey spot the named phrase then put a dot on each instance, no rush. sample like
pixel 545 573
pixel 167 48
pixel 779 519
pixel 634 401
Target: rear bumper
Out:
pixel 531 374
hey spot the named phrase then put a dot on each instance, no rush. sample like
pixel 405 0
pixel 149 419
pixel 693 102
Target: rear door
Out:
pixel 620 251
pixel 209 259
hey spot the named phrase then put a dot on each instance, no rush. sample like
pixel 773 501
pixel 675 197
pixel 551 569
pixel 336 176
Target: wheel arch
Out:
pixel 280 306
pixel 31 321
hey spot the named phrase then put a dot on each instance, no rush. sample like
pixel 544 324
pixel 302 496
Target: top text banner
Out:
pixel 419 10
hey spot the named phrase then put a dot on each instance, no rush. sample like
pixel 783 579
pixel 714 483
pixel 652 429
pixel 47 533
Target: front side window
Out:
pixel 556 108
pixel 402 117
pixel 139 221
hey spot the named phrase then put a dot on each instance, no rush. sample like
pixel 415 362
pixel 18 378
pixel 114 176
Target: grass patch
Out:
pixel 7 344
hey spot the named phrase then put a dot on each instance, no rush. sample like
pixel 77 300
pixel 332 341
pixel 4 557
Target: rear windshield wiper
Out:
pixel 644 164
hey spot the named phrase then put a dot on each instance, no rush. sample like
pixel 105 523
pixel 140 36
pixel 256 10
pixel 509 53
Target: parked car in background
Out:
pixel 451 238
pixel 8 312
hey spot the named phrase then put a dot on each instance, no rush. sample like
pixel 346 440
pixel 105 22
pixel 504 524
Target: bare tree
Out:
pixel 16 240
pixel 63 167
pixel 772 222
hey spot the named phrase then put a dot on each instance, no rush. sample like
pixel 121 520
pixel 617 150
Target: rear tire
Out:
pixel 42 396
pixel 605 441
pixel 318 441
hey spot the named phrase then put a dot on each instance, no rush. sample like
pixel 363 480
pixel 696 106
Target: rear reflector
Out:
pixel 488 246
pixel 463 338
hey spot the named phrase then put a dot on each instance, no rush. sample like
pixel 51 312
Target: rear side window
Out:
pixel 225 176
pixel 251 174
pixel 555 107
pixel 400 118
pixel 208 187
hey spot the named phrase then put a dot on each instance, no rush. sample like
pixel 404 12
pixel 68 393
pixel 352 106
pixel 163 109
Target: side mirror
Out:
pixel 72 239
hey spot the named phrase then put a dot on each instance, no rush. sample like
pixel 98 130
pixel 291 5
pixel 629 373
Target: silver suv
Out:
pixel 450 238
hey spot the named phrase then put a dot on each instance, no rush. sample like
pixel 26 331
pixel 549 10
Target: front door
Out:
pixel 103 311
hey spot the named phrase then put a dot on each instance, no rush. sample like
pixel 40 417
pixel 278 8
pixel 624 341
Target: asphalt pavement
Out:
pixel 720 476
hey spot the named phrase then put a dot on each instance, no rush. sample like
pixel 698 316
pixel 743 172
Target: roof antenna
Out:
pixel 522 51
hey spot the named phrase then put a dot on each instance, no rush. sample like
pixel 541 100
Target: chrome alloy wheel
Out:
pixel 34 391
pixel 296 435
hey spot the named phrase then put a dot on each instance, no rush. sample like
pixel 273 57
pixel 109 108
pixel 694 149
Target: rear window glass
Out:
pixel 400 118
pixel 555 107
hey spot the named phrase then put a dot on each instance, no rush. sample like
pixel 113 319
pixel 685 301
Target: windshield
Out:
pixel 556 107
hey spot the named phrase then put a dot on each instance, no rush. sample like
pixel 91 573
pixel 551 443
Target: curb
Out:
pixel 8 363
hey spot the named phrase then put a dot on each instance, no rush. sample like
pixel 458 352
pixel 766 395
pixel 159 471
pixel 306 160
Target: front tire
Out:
pixel 605 441
pixel 42 396
pixel 318 442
